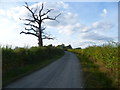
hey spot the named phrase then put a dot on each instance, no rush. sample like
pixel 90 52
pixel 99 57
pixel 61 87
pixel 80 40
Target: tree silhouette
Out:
pixel 35 20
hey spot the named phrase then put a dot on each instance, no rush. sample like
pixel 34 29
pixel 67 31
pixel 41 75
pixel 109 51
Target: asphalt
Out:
pixel 63 73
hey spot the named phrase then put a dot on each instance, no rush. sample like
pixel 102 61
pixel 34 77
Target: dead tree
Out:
pixel 35 20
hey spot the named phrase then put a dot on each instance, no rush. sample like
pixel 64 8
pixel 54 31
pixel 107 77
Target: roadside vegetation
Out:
pixel 19 62
pixel 100 65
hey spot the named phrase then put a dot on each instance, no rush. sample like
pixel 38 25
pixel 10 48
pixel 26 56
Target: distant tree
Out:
pixel 50 45
pixel 35 21
pixel 62 46
pixel 69 47
pixel 78 48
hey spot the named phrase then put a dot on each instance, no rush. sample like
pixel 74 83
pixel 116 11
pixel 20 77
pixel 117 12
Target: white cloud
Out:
pixel 86 28
pixel 95 33
pixel 96 37
pixel 104 12
pixel 67 20
pixel 98 26
pixel 69 28
pixel 102 25
pixel 68 23
pixel 10 17
pixel 57 5
pixel 21 12
pixel 14 13
pixel 2 12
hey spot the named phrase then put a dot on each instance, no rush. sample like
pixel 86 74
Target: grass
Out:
pixel 23 61
pixel 93 77
pixel 100 65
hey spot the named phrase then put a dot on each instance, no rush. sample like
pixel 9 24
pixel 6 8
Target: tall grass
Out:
pixel 106 57
pixel 18 61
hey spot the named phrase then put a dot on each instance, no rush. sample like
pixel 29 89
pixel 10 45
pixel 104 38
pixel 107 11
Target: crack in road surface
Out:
pixel 63 73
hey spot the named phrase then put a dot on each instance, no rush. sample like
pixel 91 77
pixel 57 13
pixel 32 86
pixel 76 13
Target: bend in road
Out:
pixel 63 73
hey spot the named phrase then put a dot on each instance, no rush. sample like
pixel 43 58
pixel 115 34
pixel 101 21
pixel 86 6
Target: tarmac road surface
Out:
pixel 63 73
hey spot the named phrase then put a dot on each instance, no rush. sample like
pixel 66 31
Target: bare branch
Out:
pixel 48 10
pixel 35 10
pixel 51 18
pixel 28 8
pixel 31 29
pixel 31 25
pixel 20 18
pixel 29 20
pixel 41 10
pixel 26 3
pixel 35 21
pixel 48 37
pixel 33 13
pixel 57 16
pixel 42 29
pixel 36 16
pixel 29 33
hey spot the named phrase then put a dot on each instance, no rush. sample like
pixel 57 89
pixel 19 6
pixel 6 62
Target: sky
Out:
pixel 81 24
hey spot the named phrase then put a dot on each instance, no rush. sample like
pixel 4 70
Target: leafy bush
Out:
pixel 21 60
pixel 13 58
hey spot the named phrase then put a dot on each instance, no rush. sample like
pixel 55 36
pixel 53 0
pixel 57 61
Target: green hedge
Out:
pixel 21 60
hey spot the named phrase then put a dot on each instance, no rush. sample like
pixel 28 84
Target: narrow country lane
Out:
pixel 63 73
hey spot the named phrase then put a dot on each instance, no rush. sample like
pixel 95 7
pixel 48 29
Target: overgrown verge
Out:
pixel 22 61
pixel 100 65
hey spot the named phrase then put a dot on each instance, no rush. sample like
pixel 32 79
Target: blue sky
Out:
pixel 81 23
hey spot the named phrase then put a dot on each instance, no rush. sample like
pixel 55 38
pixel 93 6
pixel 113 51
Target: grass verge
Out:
pixel 95 73
pixel 93 77
pixel 26 70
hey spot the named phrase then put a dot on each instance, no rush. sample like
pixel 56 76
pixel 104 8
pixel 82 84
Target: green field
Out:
pixel 101 65
pixel 19 62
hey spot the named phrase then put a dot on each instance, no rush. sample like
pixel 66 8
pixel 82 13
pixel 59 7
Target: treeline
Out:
pixel 106 59
pixel 63 46
pixel 19 61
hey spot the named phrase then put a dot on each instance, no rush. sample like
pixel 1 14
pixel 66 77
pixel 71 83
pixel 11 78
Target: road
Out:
pixel 63 73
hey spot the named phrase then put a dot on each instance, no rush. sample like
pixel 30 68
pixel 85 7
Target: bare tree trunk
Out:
pixel 40 40
pixel 37 19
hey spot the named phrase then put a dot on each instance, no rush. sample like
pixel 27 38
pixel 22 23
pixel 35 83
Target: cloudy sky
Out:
pixel 80 24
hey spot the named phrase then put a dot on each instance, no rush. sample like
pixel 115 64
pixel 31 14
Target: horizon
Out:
pixel 78 25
